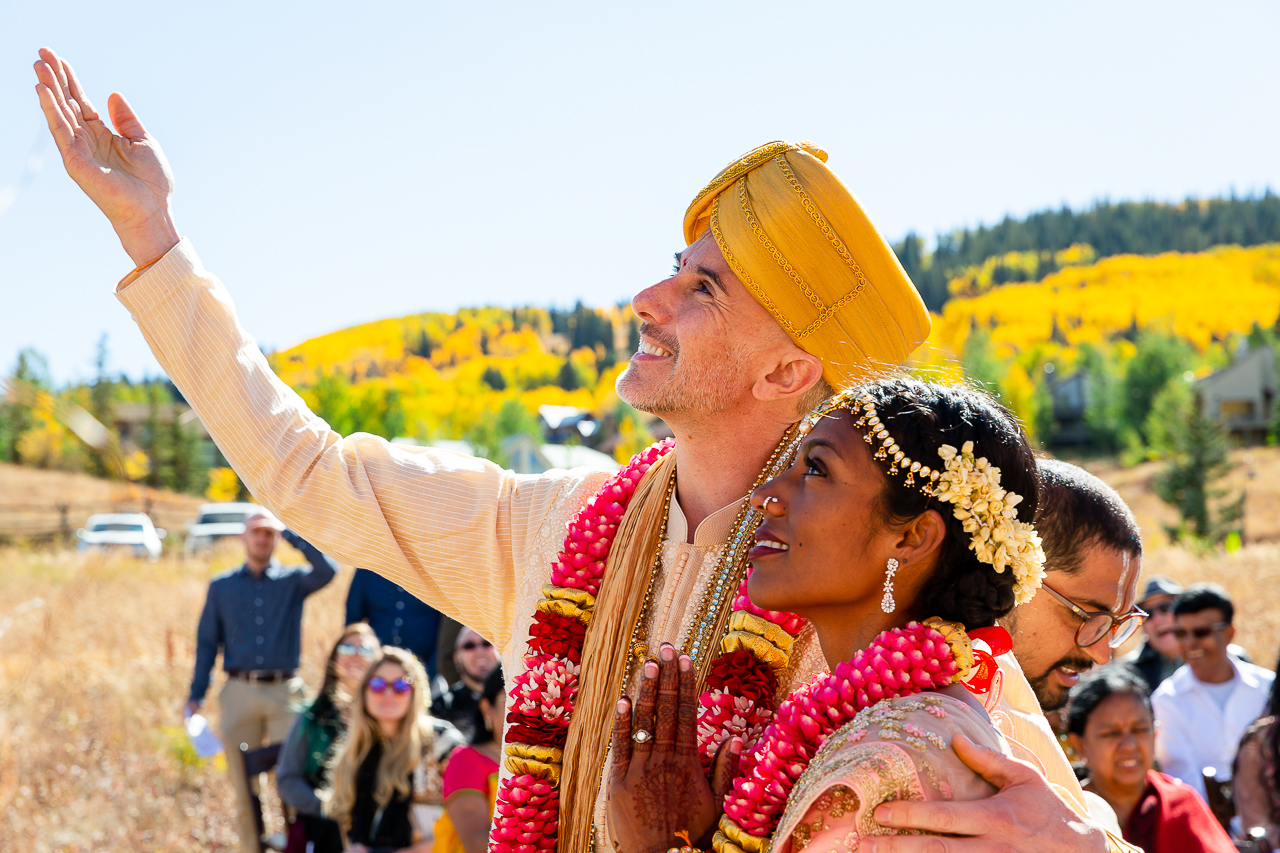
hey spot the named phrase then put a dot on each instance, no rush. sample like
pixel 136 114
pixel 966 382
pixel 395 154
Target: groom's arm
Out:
pixel 453 530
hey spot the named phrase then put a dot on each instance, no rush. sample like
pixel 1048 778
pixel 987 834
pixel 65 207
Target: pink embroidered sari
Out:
pixel 897 749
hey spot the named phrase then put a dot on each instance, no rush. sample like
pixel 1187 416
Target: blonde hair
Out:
pixel 401 752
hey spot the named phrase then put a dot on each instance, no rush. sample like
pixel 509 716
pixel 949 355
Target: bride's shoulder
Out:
pixel 895 749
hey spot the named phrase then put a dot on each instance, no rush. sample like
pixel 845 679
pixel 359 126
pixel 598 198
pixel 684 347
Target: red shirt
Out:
pixel 1171 818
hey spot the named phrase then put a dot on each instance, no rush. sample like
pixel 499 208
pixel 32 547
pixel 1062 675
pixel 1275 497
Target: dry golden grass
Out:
pixel 93 755
pixel 92 682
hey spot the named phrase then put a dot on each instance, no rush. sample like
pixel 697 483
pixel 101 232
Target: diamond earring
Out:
pixel 887 604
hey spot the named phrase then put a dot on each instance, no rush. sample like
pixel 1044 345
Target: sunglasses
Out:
pixel 1201 632
pixel 352 650
pixel 400 686
pixel 1162 608
pixel 1096 624
pixel 472 645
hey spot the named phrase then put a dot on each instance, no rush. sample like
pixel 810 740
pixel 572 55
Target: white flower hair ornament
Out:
pixel 989 514
pixel 987 511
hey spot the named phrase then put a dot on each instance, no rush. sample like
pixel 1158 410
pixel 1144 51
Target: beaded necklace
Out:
pixel 540 706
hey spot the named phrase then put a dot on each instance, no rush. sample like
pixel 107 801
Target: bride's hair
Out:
pixel 921 417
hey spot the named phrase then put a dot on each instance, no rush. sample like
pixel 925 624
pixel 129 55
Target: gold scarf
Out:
pixel 608 647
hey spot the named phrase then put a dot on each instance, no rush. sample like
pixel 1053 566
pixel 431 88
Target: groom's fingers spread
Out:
pixel 644 706
pixel 63 135
pixel 687 710
pixel 46 75
pixel 77 92
pixel 668 698
pixel 621 739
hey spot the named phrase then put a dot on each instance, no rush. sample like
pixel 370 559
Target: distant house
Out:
pixel 1070 403
pixel 131 420
pixel 1241 396
pixel 526 456
pixel 563 424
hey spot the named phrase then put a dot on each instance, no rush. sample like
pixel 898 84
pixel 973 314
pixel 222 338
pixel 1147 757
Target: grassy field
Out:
pixel 96 656
pixel 95 662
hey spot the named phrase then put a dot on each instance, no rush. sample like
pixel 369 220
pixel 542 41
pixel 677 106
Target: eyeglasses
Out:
pixel 401 686
pixel 1162 608
pixel 1096 624
pixel 351 650
pixel 1201 632
pixel 472 645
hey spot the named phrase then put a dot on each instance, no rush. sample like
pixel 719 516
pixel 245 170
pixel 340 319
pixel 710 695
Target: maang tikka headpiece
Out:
pixel 986 510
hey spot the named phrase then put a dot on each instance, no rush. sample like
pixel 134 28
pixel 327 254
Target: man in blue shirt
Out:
pixel 254 616
pixel 399 618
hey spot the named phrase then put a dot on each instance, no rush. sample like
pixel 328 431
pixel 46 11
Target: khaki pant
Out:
pixel 253 715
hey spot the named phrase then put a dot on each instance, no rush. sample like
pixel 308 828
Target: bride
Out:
pixel 901 533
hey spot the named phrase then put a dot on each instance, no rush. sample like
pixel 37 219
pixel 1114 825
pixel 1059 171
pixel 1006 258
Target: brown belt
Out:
pixel 261 676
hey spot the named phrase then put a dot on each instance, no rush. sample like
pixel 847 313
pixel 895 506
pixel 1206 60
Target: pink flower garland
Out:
pixel 899 662
pixel 541 700
pixel 741 687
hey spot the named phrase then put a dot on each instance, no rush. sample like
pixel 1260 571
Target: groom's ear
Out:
pixel 791 377
pixel 922 537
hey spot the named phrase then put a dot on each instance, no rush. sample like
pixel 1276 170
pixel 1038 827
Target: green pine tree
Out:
pixel 1189 481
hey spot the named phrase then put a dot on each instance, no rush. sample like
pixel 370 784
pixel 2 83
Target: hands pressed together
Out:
pixel 124 173
pixel 657 787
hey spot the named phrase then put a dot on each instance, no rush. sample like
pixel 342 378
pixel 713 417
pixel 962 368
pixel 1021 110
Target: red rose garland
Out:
pixel 741 686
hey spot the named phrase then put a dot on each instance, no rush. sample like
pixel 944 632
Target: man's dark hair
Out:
pixel 1077 512
pixel 1205 596
pixel 1099 685
pixel 493 685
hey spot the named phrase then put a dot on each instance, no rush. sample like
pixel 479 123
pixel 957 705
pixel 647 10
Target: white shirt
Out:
pixel 1193 733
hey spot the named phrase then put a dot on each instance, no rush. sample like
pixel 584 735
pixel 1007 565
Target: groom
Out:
pixel 784 289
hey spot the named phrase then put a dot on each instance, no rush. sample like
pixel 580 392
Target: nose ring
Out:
pixel 765 505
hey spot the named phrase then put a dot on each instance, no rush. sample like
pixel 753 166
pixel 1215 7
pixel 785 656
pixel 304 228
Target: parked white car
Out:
pixel 125 531
pixel 215 522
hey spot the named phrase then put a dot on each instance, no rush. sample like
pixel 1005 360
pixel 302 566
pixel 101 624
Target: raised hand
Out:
pixel 126 175
pixel 657 787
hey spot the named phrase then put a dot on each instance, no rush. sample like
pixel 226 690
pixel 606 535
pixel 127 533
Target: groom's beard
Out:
pixel 1051 695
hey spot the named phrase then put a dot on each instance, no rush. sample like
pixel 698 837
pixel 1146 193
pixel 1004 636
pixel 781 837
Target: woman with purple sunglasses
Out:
pixel 386 778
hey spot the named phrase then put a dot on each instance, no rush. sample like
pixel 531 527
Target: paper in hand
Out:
pixel 203 739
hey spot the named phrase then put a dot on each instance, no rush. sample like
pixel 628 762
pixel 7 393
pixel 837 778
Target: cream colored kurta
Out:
pixel 465 536
pixel 462 534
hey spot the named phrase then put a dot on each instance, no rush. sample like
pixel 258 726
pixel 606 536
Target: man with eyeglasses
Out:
pixel 1084 609
pixel 1203 709
pixel 1159 655
pixel 475 658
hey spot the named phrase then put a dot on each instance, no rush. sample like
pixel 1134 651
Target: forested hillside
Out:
pixel 1027 249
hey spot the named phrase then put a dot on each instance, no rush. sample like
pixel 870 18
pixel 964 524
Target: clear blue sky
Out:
pixel 338 163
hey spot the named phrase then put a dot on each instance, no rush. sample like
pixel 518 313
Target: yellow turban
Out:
pixel 804 248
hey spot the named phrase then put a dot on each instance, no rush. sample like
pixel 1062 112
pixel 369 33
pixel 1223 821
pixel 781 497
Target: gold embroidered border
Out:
pixel 827 232
pixel 758 230
pixel 737 169
pixel 736 265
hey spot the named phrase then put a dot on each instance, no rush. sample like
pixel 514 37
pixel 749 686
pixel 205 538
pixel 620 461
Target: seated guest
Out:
pixel 1254 785
pixel 386 777
pixel 309 744
pixel 1110 725
pixel 471 779
pixel 399 618
pixel 475 658
pixel 1204 708
pixel 1159 654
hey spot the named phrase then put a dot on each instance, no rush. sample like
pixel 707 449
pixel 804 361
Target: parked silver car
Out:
pixel 215 522
pixel 125 531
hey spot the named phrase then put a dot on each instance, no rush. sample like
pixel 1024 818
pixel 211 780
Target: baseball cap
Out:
pixel 262 518
pixel 1158 585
